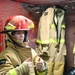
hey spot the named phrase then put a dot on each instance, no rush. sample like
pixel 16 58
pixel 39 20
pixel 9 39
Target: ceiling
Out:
pixel 46 1
pixel 63 3
pixel 36 7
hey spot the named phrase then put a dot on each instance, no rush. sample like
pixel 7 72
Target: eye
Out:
pixel 18 32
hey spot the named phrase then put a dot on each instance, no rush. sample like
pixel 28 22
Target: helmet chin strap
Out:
pixel 25 39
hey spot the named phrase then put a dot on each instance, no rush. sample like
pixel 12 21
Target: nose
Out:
pixel 22 35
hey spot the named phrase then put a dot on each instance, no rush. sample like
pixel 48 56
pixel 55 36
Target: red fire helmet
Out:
pixel 18 22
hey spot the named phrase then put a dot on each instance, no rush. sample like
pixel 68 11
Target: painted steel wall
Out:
pixel 9 8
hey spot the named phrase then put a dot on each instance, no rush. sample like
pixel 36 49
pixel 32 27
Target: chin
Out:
pixel 20 41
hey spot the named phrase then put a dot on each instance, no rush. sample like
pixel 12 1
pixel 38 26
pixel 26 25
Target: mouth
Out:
pixel 21 39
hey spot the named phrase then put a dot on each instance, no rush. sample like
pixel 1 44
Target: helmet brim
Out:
pixel 6 31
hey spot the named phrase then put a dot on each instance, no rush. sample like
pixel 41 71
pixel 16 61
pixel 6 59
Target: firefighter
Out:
pixel 51 40
pixel 18 58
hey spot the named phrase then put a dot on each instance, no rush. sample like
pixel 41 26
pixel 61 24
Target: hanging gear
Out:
pixel 58 22
pixel 45 21
pixel 18 22
pixel 51 40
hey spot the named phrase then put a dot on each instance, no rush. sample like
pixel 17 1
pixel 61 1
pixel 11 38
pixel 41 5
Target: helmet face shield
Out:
pixel 16 23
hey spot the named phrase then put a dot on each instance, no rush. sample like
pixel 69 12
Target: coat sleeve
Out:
pixel 9 65
pixel 36 58
pixel 8 62
pixel 5 64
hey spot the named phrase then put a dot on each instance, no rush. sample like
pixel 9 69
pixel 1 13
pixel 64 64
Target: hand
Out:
pixel 41 65
pixel 38 64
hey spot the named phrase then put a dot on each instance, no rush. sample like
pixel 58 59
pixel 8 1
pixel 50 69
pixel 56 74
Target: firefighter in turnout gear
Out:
pixel 51 40
pixel 18 58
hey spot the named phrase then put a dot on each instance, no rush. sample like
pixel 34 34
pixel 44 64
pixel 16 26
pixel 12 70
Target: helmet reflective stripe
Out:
pixel 31 26
pixel 12 72
pixel 10 27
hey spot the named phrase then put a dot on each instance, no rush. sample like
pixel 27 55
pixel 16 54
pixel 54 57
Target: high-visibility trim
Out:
pixel 62 40
pixel 12 72
pixel 73 50
pixel 10 27
pixel 53 26
pixel 31 26
pixel 53 41
pixel 50 41
pixel 63 26
pixel 42 42
pixel 41 73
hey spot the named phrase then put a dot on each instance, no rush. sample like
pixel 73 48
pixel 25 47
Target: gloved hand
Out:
pixel 41 68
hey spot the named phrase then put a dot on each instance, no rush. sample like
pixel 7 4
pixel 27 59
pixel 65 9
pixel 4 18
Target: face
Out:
pixel 20 36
